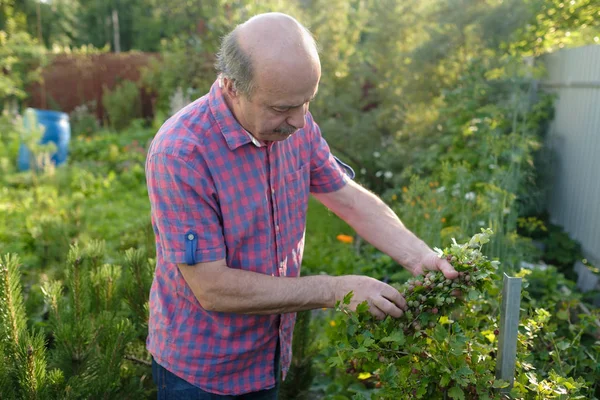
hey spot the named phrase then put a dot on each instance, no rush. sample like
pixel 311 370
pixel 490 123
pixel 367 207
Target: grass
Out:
pixel 323 253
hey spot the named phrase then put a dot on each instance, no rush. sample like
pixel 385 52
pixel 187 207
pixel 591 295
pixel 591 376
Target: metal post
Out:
pixel 509 325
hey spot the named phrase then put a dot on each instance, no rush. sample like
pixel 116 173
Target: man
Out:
pixel 229 178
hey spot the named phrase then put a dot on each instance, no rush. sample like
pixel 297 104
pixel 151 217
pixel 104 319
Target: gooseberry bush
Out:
pixel 445 344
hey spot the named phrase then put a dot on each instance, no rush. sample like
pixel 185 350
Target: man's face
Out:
pixel 277 107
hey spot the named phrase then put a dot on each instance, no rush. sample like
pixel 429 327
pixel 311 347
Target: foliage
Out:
pixel 568 342
pixel 122 104
pixel 438 115
pixel 20 61
pixel 70 359
pixel 23 374
pixel 83 120
pixel 438 350
pixel 183 66
pixel 557 24
pixel 561 250
pixel 9 143
pixel 300 376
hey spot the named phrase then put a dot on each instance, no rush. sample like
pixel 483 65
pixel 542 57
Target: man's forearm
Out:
pixel 375 222
pixel 239 291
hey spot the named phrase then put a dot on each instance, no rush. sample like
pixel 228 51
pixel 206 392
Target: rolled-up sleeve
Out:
pixel 185 210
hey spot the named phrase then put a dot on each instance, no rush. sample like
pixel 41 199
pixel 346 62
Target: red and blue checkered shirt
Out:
pixel 217 193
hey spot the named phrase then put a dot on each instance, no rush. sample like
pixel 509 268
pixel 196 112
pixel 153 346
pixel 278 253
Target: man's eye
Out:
pixel 281 109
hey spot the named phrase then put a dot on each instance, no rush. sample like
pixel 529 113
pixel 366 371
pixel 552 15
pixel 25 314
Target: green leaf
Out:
pixel 395 337
pixel 362 308
pixel 439 333
pixel 368 341
pixel 464 371
pixel 473 295
pixel 562 345
pixel 335 362
pixel 456 393
pixel 390 373
pixel 562 315
pixel 499 384
pixel 444 381
pixel 348 298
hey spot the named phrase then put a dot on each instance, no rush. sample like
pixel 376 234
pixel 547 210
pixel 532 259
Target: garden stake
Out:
pixel 509 324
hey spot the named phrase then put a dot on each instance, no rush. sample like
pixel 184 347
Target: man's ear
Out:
pixel 229 88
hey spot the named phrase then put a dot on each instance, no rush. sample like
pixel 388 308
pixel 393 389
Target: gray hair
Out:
pixel 233 63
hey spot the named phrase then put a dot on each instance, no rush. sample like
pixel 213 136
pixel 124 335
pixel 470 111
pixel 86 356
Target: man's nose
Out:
pixel 297 117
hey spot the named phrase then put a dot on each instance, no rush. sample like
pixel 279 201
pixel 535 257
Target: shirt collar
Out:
pixel 235 135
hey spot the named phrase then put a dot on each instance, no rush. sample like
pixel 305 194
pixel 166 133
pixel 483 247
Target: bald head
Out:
pixel 267 48
pixel 269 38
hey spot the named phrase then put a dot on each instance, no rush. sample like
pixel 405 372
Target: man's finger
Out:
pixel 417 271
pixel 388 307
pixel 395 297
pixel 376 311
pixel 447 269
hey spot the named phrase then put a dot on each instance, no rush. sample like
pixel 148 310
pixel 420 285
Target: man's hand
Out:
pixel 382 298
pixel 432 262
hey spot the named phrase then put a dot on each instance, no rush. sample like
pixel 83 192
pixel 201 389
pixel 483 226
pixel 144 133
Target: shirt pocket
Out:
pixel 297 191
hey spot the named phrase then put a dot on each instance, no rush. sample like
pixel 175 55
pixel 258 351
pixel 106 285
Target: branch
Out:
pixel 139 361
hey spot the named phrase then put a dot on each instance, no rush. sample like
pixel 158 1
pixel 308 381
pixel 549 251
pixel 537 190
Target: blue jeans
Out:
pixel 172 387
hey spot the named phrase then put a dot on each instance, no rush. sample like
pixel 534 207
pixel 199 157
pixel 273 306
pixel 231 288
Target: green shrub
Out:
pixel 122 104
pixel 440 350
pixel 561 250
pixel 83 120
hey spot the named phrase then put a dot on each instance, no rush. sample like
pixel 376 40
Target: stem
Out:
pixel 340 356
pixel 393 351
pixel 31 378
pixel 138 360
pixel 556 351
pixel 113 357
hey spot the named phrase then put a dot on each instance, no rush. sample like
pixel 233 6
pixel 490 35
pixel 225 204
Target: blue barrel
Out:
pixel 57 129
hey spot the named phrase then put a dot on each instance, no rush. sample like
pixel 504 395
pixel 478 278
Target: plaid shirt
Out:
pixel 217 193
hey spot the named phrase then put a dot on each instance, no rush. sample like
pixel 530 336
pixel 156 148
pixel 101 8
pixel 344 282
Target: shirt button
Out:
pixel 276 228
pixel 190 237
pixel 272 191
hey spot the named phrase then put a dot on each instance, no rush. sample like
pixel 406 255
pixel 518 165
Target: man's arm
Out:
pixel 373 220
pixel 220 288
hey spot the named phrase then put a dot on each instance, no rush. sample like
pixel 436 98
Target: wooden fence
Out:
pixel 73 80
